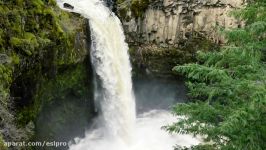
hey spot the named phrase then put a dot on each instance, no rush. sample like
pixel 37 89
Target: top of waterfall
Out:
pixel 91 9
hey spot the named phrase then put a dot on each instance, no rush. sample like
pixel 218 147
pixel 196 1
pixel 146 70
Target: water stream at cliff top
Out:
pixel 118 128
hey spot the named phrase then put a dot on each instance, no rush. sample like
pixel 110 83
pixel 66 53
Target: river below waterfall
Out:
pixel 120 124
pixel 154 97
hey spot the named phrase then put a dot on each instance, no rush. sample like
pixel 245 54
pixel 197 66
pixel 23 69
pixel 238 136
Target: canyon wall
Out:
pixel 171 21
pixel 164 33
pixel 44 61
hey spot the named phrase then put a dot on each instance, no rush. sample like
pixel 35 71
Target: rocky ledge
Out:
pixel 171 21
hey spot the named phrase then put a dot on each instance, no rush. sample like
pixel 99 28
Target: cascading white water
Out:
pixel 111 62
pixel 120 130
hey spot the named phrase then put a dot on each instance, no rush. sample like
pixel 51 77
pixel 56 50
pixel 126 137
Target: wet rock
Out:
pixel 4 59
pixel 68 6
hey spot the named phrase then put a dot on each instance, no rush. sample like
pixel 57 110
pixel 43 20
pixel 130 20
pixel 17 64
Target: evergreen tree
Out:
pixel 227 89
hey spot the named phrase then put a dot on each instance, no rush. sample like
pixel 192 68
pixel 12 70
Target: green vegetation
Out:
pixel 227 89
pixel 2 146
pixel 150 56
pixel 65 100
pixel 5 80
pixel 137 7
pixel 37 39
pixel 28 29
pixel 73 81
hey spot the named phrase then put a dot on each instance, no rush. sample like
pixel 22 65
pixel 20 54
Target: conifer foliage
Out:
pixel 227 89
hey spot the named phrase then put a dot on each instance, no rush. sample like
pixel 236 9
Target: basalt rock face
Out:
pixel 169 32
pixel 171 21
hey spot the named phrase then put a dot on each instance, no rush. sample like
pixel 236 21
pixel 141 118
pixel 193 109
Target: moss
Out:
pixel 5 81
pixel 138 7
pixel 27 44
pixel 31 31
pixel 123 14
pixel 159 61
pixel 72 81
pixel 38 38
pixel 5 74
pixel 120 1
pixel 28 24
pixel 15 59
pixel 2 146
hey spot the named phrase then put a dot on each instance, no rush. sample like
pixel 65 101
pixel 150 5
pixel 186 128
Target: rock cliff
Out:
pixel 42 48
pixel 172 21
pixel 164 33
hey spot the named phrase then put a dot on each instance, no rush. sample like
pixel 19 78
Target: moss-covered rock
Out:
pixel 136 7
pixel 5 80
pixel 72 80
pixel 61 104
pixel 2 146
pixel 156 60
pixel 37 39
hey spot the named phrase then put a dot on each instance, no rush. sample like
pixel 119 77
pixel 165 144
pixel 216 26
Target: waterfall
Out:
pixel 110 59
pixel 117 127
pixel 111 63
pixel 109 54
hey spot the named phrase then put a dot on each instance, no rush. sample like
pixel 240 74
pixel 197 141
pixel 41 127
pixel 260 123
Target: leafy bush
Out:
pixel 227 89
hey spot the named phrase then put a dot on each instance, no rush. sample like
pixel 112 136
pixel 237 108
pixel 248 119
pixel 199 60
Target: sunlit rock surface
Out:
pixel 171 21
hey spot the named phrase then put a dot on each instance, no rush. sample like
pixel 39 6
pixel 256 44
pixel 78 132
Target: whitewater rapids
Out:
pixel 148 136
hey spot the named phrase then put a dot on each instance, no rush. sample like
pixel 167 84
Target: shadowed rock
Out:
pixel 4 59
pixel 68 6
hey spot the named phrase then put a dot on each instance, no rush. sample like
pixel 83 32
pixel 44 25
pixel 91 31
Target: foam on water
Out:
pixel 148 136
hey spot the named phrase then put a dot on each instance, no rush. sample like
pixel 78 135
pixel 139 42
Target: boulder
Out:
pixel 68 6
